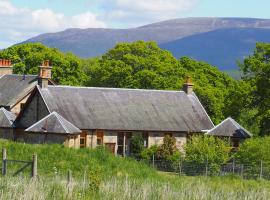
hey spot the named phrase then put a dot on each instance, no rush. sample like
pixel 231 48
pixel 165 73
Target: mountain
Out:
pixel 96 41
pixel 222 47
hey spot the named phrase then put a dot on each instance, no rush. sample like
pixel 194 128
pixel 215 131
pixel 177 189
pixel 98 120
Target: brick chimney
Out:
pixel 5 67
pixel 188 85
pixel 45 73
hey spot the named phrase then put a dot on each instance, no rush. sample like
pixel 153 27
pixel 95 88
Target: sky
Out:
pixel 23 19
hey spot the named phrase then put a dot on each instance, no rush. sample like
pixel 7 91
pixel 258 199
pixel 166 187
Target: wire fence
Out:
pixel 249 170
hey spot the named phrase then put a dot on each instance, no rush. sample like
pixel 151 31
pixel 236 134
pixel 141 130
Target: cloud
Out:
pixel 18 24
pixel 145 11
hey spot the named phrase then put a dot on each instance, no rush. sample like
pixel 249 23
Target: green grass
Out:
pixel 57 160
pixel 99 175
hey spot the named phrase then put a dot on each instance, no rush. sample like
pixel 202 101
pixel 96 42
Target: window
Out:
pixel 83 140
pixel 99 138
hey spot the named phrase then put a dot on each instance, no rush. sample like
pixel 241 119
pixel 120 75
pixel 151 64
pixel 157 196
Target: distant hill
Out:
pixel 96 41
pixel 221 47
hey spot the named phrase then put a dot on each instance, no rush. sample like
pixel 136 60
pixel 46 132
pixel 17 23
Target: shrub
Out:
pixel 136 145
pixel 149 152
pixel 168 150
pixel 254 150
pixel 202 149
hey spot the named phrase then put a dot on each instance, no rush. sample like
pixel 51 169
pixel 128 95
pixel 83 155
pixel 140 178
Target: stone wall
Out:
pixel 156 138
pixel 34 111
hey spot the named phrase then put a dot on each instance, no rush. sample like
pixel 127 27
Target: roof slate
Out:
pixel 6 118
pixel 54 123
pixel 230 128
pixel 14 87
pixel 127 109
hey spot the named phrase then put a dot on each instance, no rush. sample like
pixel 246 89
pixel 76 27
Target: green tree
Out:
pixel 67 68
pixel 202 149
pixel 256 70
pixel 168 149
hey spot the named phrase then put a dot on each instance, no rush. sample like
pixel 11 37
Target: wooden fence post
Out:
pixel 206 167
pixel 233 166
pixel 180 166
pixel 261 170
pixel 69 177
pixel 4 161
pixel 153 161
pixel 34 166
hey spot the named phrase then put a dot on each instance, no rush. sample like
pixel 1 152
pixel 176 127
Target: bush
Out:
pixel 254 150
pixel 149 152
pixel 168 150
pixel 202 149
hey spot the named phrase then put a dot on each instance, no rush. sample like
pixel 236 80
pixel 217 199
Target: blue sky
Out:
pixel 22 19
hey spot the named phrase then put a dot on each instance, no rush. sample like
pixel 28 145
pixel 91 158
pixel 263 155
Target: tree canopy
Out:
pixel 67 68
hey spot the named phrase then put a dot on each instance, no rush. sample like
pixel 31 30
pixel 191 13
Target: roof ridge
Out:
pixel 57 116
pixel 6 115
pixel 39 121
pixel 107 88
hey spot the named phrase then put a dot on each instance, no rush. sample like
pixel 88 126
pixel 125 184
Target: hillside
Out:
pixel 97 174
pixel 221 47
pixel 95 41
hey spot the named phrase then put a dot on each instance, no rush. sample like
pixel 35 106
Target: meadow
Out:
pixel 96 174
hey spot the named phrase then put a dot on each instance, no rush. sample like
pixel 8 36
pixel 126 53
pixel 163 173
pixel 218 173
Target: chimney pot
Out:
pixel 44 74
pixel 188 85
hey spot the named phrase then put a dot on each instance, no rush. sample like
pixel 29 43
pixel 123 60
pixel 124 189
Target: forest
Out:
pixel 144 65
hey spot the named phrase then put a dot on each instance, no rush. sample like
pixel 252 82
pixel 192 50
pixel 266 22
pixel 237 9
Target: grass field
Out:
pixel 99 175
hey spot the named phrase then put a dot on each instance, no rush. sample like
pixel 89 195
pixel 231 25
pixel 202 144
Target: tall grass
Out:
pixel 99 175
pixel 126 188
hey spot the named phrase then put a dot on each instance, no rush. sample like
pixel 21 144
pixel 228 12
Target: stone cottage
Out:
pixel 15 89
pixel 110 116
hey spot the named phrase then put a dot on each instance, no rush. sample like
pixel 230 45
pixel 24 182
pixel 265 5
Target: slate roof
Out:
pixel 6 118
pixel 230 128
pixel 14 87
pixel 54 123
pixel 127 109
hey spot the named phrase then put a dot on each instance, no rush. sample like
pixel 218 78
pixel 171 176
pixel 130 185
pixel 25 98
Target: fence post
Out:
pixel 180 166
pixel 261 170
pixel 206 168
pixel 34 166
pixel 4 161
pixel 153 161
pixel 69 177
pixel 233 165
pixel 242 170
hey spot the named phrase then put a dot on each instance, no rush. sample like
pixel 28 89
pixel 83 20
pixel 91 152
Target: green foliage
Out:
pixel 202 149
pixel 67 68
pixel 168 150
pixel 254 150
pixel 136 145
pixel 256 70
pixel 149 152
pixel 94 176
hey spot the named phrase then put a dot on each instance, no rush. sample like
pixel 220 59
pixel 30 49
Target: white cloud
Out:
pixel 145 11
pixel 19 24
pixel 83 20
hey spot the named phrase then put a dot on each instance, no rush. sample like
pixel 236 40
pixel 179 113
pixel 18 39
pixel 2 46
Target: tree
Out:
pixel 67 68
pixel 202 149
pixel 168 149
pixel 256 70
